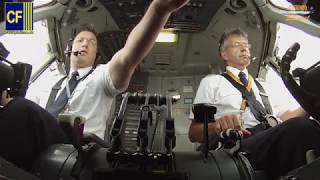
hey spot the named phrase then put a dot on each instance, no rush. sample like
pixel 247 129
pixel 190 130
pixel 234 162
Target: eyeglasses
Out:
pixel 93 42
pixel 238 45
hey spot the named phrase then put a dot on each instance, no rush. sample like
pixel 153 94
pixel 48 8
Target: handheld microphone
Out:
pixel 294 48
pixel 291 53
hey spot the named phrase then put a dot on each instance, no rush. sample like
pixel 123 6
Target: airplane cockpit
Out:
pixel 147 131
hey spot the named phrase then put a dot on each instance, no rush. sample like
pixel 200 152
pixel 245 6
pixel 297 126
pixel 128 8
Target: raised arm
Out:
pixel 141 40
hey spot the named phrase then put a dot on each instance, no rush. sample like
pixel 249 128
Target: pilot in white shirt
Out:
pixel 217 90
pixel 92 98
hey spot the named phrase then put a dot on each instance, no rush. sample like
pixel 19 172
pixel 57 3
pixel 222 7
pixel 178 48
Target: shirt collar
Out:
pixel 236 71
pixel 82 71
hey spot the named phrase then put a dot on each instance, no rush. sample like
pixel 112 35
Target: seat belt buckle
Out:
pixel 272 120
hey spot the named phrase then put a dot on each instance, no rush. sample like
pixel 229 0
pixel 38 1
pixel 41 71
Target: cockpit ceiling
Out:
pixel 194 17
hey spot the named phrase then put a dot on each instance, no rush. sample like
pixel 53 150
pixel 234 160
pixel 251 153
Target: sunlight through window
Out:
pixel 28 48
pixel 307 55
pixel 37 3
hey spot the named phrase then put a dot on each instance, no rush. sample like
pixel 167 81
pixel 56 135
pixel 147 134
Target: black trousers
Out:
pixel 26 130
pixel 283 148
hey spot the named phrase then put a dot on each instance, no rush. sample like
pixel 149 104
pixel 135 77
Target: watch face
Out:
pixel 272 120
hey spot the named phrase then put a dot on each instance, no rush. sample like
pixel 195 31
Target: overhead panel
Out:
pixel 165 58
pixel 194 17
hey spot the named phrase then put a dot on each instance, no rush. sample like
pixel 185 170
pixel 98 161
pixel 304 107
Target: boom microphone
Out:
pixel 76 53
pixel 253 58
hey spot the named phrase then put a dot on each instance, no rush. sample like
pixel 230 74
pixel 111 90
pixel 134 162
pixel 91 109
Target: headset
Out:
pixel 68 49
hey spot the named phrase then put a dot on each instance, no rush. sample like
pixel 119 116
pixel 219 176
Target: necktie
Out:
pixel 62 99
pixel 255 106
pixel 243 78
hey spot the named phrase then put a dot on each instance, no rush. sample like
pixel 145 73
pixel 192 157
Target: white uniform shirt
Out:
pixel 217 90
pixel 92 98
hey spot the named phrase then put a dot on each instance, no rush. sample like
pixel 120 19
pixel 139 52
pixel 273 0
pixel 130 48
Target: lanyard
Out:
pixel 67 107
pixel 78 80
pixel 57 87
pixel 248 88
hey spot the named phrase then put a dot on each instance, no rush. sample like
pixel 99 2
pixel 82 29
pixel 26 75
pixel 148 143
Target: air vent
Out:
pixel 162 64
pixel 184 25
pixel 162 59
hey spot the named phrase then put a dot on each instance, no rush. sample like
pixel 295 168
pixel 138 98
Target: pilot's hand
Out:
pixel 231 121
pixel 170 5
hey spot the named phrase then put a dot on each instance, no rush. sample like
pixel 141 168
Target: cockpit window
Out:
pixel 290 5
pixel 299 9
pixel 307 55
pixel 274 85
pixel 37 3
pixel 29 48
pixel 281 4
